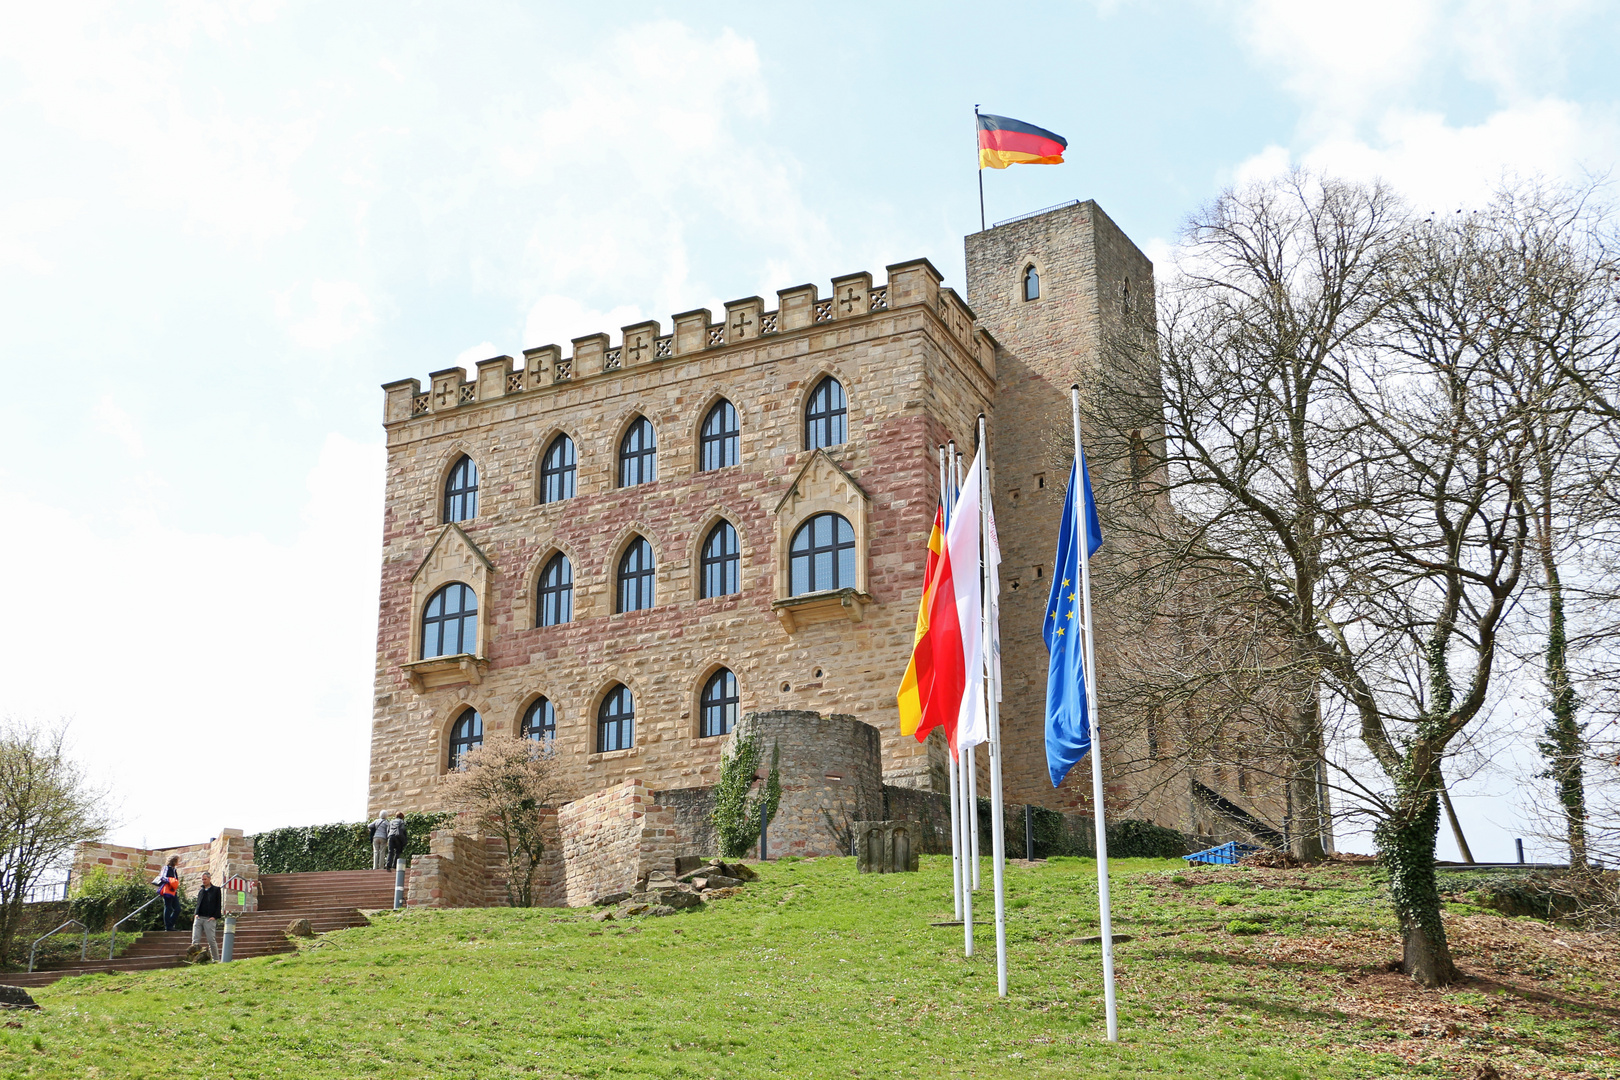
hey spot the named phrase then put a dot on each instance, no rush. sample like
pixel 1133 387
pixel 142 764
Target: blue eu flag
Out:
pixel 1068 732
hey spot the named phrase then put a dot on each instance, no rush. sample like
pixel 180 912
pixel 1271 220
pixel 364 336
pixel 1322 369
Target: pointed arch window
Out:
pixel 616 721
pixel 558 470
pixel 466 735
pixel 540 721
pixel 635 577
pixel 826 416
pixel 822 555
pixel 556 603
pixel 1032 283
pixel 450 622
pixel 721 562
pixel 461 491
pixel 718 444
pixel 638 454
pixel 719 704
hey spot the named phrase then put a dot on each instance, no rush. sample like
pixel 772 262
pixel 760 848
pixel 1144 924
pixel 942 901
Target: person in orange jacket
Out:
pixel 168 883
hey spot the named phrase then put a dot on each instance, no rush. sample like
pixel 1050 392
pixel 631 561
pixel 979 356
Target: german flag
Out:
pixel 1004 141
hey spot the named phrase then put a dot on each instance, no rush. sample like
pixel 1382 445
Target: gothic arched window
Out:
pixel 558 470
pixel 466 734
pixel 616 721
pixel 718 444
pixel 1032 283
pixel 540 721
pixel 822 555
pixel 826 419
pixel 719 704
pixel 638 454
pixel 556 592
pixel 450 622
pixel 721 562
pixel 461 491
pixel 635 577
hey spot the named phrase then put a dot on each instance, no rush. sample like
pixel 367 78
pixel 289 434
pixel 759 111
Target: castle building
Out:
pixel 625 548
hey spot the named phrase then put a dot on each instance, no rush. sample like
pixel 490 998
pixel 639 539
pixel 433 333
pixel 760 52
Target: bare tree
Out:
pixel 1280 282
pixel 1550 282
pixel 504 787
pixel 46 807
pixel 1344 459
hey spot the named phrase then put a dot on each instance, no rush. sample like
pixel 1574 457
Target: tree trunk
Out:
pixel 1305 810
pixel 1562 742
pixel 1406 842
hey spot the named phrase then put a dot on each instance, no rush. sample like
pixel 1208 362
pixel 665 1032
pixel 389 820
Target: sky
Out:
pixel 223 225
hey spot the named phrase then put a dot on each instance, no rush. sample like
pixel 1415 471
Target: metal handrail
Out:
pixel 112 942
pixel 84 946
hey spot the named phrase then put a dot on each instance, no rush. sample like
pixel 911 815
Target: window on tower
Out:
pixel 466 735
pixel 1032 283
pixel 638 454
pixel 721 561
pixel 826 416
pixel 461 491
pixel 450 622
pixel 718 443
pixel 558 471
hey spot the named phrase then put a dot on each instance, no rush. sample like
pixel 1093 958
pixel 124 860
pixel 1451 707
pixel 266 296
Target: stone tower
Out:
pixel 1087 271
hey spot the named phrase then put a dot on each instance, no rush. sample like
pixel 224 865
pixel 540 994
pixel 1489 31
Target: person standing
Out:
pixel 397 838
pixel 379 841
pixel 207 920
pixel 168 883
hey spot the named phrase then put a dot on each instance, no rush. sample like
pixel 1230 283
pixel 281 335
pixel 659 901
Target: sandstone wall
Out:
pixel 831 773
pixel 915 373
pixel 691 810
pixel 611 840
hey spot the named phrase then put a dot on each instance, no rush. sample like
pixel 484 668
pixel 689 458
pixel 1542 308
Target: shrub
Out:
pixel 300 849
pixel 736 817
pixel 1132 839
pixel 1239 926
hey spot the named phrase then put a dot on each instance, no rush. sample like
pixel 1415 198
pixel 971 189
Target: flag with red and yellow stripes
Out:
pixel 918 681
pixel 1004 141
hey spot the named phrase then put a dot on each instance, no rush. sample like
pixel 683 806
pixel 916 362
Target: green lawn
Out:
pixel 814 971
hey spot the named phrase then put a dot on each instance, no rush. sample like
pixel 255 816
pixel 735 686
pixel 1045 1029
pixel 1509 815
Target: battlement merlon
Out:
pixel 911 283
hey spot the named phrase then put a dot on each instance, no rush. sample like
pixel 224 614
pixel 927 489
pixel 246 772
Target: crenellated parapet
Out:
pixel 798 309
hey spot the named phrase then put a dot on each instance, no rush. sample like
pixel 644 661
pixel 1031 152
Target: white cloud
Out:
pixel 112 76
pixel 211 679
pixel 1360 79
pixel 112 420
pixel 556 320
pixel 336 312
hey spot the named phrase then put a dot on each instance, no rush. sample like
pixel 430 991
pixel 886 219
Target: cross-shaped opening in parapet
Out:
pixel 850 300
pixel 637 347
pixel 742 322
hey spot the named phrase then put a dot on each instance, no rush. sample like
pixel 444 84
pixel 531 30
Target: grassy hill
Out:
pixel 816 971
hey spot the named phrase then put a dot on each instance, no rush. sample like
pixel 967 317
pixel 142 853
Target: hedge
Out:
pixel 342 846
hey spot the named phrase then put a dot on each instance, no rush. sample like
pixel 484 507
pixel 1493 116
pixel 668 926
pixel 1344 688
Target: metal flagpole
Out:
pixel 1103 902
pixel 962 790
pixel 972 766
pixel 980 165
pixel 997 830
pixel 950 759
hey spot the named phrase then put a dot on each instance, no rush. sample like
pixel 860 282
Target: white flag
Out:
pixel 992 572
pixel 962 543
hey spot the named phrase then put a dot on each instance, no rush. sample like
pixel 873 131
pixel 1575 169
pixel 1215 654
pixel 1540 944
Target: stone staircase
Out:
pixel 330 901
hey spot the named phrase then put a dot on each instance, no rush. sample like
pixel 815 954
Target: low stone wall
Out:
pixel 226 855
pixel 931 810
pixel 692 810
pixel 613 839
pixel 466 870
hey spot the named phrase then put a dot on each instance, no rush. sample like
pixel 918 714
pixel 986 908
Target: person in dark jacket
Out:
pixel 204 925
pixel 397 838
pixel 168 883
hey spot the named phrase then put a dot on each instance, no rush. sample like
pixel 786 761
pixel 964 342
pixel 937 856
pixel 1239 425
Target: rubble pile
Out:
pixel 661 894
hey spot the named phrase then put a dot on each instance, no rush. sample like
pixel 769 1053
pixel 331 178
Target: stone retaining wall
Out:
pixel 613 839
